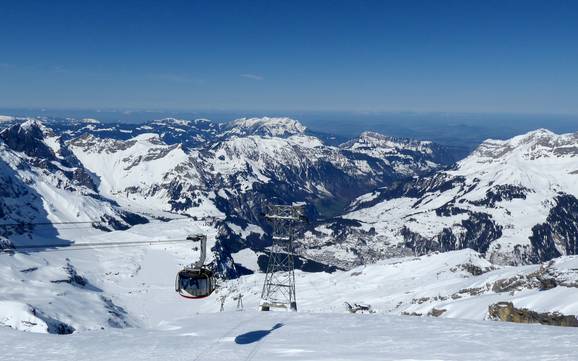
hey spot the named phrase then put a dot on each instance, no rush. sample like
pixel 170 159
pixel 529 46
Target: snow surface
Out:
pixel 20 316
pixel 158 324
pixel 300 336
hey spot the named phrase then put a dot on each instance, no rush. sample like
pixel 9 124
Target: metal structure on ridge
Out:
pixel 279 285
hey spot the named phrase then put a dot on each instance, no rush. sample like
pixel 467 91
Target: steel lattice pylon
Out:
pixel 279 284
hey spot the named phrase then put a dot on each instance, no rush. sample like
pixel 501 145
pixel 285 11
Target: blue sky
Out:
pixel 454 56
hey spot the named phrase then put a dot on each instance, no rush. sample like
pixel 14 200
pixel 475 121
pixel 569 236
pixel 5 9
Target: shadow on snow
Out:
pixel 255 336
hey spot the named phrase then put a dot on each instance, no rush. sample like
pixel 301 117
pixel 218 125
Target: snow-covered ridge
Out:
pixel 273 127
pixel 90 121
pixel 144 171
pixel 513 200
pixel 374 139
pixel 535 144
pixel 32 124
pixel 172 121
pixel 380 145
pixel 540 160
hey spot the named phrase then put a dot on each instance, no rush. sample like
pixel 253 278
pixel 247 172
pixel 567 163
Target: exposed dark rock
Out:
pixel 514 283
pixel 505 311
pixel 28 270
pixel 73 277
pixel 559 232
pixel 54 326
pixel 6 244
pixel 419 244
pixel 502 192
pixel 27 138
pixel 405 313
pixel 480 232
pixel 437 312
pixel 118 316
pixel 472 269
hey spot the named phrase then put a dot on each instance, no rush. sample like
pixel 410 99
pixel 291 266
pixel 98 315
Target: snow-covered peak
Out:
pixel 266 126
pixel 90 121
pixel 31 137
pixel 540 143
pixel 33 125
pixel 368 140
pixel 145 173
pixel 541 160
pixel 152 138
pixel 404 155
pixel 171 121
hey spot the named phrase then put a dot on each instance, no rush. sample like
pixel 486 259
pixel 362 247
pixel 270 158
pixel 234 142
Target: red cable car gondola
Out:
pixel 197 280
pixel 195 283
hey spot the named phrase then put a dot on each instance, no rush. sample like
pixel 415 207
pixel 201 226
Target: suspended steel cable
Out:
pixel 75 222
pixel 45 223
pixel 78 246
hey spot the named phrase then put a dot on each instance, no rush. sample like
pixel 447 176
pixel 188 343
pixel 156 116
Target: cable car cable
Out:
pixel 79 222
pixel 82 246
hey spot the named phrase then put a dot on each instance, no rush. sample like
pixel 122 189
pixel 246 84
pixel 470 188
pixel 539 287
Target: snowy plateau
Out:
pixel 443 249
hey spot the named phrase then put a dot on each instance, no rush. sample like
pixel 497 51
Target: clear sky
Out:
pixel 435 55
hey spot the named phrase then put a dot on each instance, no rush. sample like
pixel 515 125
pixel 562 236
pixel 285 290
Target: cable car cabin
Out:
pixel 195 283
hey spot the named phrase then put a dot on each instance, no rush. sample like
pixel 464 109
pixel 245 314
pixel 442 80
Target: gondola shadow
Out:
pixel 255 336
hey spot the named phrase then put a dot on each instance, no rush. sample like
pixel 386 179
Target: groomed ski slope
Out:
pixel 253 335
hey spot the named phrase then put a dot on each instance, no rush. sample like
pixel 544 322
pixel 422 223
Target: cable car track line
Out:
pixel 31 224
pixel 95 245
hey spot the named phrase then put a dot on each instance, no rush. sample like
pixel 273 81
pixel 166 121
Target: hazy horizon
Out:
pixel 462 130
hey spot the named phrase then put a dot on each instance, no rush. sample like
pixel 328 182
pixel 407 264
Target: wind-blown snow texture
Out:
pixel 278 336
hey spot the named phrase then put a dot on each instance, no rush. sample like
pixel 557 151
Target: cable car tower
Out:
pixel 279 285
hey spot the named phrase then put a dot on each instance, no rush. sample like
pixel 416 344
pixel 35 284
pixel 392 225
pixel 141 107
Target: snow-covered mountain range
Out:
pixel 204 169
pixel 394 222
pixel 512 200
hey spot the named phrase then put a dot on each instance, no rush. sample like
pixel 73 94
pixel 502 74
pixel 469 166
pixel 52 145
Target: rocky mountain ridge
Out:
pixel 514 201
